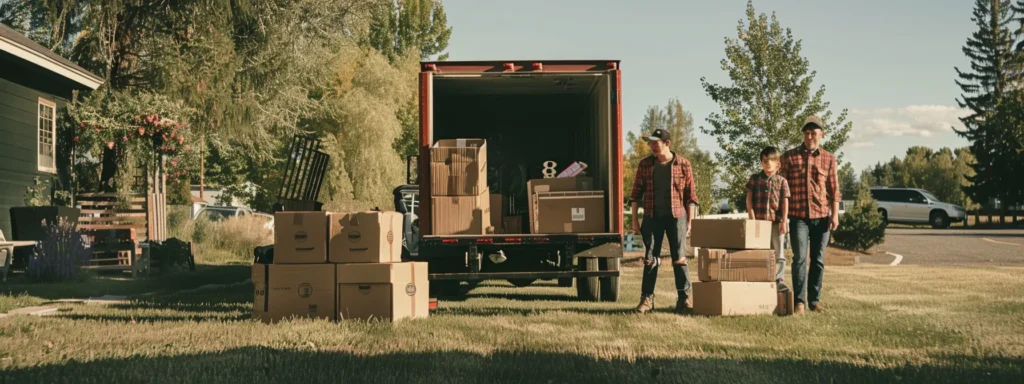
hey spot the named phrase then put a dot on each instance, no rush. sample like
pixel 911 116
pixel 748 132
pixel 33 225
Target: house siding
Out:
pixel 18 129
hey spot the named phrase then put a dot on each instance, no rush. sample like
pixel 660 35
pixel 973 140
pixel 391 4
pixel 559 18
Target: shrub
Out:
pixel 179 222
pixel 861 227
pixel 60 256
pixel 172 256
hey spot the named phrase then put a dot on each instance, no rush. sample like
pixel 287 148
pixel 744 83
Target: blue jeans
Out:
pixel 808 238
pixel 654 230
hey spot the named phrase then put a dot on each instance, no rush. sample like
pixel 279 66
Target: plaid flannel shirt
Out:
pixel 766 194
pixel 684 191
pixel 813 181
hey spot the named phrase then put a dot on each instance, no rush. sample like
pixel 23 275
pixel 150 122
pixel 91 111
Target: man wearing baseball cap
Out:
pixel 664 183
pixel 812 175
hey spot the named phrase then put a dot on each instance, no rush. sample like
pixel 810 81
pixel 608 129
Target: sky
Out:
pixel 890 63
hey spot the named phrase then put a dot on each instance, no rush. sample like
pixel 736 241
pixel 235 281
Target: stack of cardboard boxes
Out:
pixel 460 200
pixel 339 266
pixel 736 267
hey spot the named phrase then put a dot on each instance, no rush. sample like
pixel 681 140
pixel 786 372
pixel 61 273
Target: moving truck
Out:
pixel 529 113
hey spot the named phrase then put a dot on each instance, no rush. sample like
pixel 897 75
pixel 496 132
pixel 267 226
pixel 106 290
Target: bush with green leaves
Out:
pixel 861 227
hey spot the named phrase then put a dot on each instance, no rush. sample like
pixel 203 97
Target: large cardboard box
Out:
pixel 300 237
pixel 458 167
pixel 561 184
pixel 734 298
pixel 497 208
pixel 390 292
pixel 301 290
pixel 365 237
pixel 460 215
pixel 731 234
pixel 569 212
pixel 736 265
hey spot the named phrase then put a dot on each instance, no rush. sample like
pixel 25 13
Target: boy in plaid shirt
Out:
pixel 768 199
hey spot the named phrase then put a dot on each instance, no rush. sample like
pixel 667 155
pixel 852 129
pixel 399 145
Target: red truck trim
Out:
pixel 519 66
pixel 426 138
pixel 616 193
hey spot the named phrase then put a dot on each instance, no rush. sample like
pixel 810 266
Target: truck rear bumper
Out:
pixel 600 245
pixel 467 276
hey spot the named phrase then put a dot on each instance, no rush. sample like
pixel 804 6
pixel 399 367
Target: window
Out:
pixel 47 136
pixel 882 195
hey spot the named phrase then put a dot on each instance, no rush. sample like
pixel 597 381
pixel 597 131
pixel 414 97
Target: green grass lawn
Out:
pixel 885 324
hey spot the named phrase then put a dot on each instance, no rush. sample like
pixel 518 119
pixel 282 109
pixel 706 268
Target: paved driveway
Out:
pixel 956 246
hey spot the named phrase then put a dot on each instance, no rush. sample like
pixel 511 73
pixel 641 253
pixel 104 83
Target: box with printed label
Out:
pixel 460 215
pixel 300 237
pixel 731 234
pixel 458 167
pixel 388 292
pixel 282 291
pixel 734 298
pixel 365 237
pixel 736 265
pixel 562 184
pixel 568 212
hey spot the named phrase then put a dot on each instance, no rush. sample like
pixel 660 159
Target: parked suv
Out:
pixel 916 206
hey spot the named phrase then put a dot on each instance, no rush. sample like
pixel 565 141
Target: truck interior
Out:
pixel 527 120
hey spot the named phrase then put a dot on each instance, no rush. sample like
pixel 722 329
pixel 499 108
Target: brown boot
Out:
pixel 684 305
pixel 818 308
pixel 646 304
pixel 798 309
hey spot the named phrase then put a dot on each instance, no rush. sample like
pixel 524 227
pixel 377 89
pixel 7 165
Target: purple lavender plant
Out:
pixel 61 255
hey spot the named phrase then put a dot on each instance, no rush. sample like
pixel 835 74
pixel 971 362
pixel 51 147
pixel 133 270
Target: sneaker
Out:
pixel 646 304
pixel 684 305
pixel 798 309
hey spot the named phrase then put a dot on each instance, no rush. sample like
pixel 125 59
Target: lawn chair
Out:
pixel 303 176
pixel 7 253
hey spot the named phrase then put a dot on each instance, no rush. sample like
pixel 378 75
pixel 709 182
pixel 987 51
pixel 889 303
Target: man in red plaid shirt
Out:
pixel 813 211
pixel 664 182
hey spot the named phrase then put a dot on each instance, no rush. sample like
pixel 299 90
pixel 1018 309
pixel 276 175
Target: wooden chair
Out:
pixel 7 253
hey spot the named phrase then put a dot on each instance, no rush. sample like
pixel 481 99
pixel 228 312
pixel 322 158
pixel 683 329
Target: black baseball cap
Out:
pixel 658 134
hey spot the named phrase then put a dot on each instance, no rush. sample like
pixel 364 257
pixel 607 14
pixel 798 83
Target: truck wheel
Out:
pixel 588 288
pixel 565 282
pixel 610 285
pixel 521 283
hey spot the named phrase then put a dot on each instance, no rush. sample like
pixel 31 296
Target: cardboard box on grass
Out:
pixel 734 298
pixel 282 291
pixel 389 292
pixel 365 237
pixel 300 237
pixel 458 167
pixel 460 215
pixel 562 184
pixel 736 265
pixel 569 212
pixel 731 234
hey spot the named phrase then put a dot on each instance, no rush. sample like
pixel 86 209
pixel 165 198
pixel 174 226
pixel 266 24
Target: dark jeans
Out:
pixel 808 235
pixel 654 230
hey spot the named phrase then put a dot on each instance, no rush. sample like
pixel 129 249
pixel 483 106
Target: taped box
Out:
pixel 283 291
pixel 300 237
pixel 731 234
pixel 365 237
pixel 566 184
pixel 569 212
pixel 734 298
pixel 736 265
pixel 458 167
pixel 460 215
pixel 386 292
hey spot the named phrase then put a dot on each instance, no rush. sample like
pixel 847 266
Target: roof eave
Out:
pixel 86 79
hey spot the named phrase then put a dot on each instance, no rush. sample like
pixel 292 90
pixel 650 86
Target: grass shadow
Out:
pixel 98 285
pixel 524 296
pixel 253 364
pixel 506 311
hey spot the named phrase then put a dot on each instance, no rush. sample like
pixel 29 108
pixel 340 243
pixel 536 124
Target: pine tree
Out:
pixel 861 227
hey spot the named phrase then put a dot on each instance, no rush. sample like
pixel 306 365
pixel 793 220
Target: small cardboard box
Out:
pixel 563 184
pixel 731 234
pixel 461 215
pixel 736 265
pixel 512 225
pixel 569 212
pixel 734 298
pixel 300 237
pixel 458 167
pixel 365 237
pixel 301 290
pixel 497 208
pixel 390 292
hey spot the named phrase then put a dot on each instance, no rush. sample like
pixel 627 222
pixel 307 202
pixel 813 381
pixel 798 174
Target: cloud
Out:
pixel 862 144
pixel 913 120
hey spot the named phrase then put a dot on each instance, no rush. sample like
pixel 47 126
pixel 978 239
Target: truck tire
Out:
pixel 588 288
pixel 610 285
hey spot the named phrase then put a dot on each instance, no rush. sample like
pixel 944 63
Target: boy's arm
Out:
pixel 750 205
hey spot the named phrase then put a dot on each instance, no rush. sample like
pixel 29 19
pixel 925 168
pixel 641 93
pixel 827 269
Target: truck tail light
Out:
pixel 485 240
pixel 513 239
pixel 538 66
pixel 430 67
pixel 449 241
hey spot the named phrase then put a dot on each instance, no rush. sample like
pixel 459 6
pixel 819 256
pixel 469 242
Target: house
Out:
pixel 35 83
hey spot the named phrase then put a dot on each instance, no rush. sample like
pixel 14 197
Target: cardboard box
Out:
pixel 734 298
pixel 458 167
pixel 731 234
pixel 736 265
pixel 497 209
pixel 301 290
pixel 460 215
pixel 512 225
pixel 569 212
pixel 365 237
pixel 564 184
pixel 383 291
pixel 300 237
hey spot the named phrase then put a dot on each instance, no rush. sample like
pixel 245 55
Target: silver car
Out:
pixel 916 206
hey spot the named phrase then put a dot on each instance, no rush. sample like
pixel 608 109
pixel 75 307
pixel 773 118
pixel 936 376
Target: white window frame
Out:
pixel 51 168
